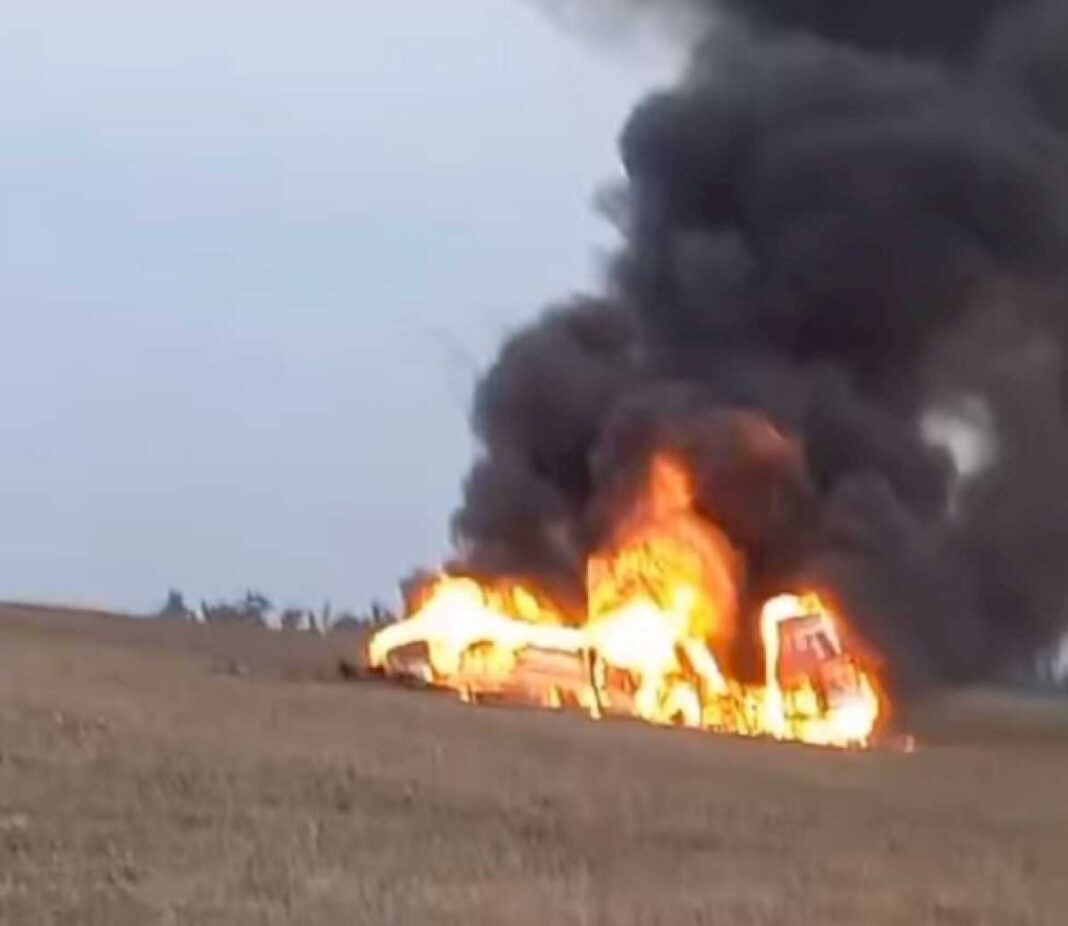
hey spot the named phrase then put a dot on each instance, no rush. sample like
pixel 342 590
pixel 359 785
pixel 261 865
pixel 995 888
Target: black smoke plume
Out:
pixel 848 215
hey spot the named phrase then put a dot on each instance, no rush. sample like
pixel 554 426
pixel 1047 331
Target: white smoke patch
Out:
pixel 1059 662
pixel 1051 666
pixel 965 430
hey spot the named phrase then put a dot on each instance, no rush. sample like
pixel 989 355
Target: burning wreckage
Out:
pixel 659 601
pixel 807 446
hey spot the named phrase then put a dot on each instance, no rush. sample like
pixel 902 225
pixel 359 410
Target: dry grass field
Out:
pixel 170 774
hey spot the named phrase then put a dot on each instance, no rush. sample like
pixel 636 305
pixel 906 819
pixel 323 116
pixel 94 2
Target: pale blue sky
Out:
pixel 252 256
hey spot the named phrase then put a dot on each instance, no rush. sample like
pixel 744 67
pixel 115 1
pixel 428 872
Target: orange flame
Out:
pixel 661 623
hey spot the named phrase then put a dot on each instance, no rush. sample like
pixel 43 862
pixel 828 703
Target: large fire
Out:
pixel 655 641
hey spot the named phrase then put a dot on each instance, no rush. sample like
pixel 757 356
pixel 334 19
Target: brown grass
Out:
pixel 146 777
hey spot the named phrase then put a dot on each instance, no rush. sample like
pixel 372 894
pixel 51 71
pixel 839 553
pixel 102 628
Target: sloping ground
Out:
pixel 171 774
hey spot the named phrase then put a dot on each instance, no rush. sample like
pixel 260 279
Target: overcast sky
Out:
pixel 252 257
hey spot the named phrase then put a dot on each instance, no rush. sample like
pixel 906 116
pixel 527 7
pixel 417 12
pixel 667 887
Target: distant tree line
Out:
pixel 257 610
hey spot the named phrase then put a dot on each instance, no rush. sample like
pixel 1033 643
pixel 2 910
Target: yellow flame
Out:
pixel 459 613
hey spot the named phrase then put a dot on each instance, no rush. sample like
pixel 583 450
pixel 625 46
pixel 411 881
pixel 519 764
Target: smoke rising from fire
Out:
pixel 846 217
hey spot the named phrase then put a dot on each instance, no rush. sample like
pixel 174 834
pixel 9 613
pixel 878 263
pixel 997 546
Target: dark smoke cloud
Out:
pixel 949 29
pixel 844 216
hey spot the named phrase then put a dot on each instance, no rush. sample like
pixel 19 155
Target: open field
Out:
pixel 171 774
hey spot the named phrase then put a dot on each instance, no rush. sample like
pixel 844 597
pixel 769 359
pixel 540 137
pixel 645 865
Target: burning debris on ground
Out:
pixel 657 641
pixel 843 225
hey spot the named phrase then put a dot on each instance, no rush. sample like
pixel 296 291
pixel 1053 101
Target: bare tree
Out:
pixel 293 619
pixel 175 607
pixel 251 610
